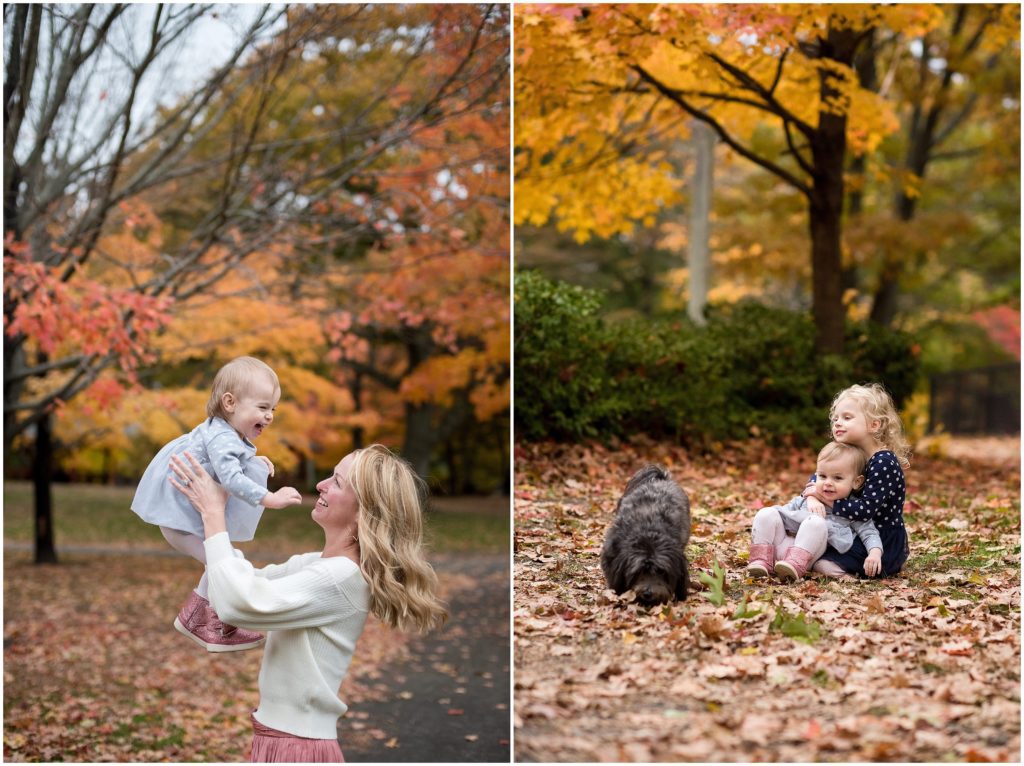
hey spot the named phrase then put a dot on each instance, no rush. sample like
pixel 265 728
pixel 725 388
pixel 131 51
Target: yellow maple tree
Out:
pixel 604 92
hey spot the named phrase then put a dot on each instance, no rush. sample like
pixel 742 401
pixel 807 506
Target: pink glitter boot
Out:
pixel 198 621
pixel 794 565
pixel 762 560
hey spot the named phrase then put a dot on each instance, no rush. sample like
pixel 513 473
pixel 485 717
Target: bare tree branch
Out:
pixel 748 82
pixel 76 186
pixel 703 116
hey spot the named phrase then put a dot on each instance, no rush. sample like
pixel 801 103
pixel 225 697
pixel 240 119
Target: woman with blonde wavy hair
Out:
pixel 314 606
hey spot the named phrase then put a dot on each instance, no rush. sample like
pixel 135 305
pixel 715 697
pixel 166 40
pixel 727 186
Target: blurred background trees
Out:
pixel 927 217
pixel 331 195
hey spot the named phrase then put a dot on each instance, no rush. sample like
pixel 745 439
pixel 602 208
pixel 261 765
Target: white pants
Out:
pixel 190 545
pixel 768 529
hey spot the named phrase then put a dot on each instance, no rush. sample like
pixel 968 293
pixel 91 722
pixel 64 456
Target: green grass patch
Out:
pixel 461 531
pixel 923 563
pixel 976 554
pixel 91 514
pixel 960 594
pixel 83 514
pixel 567 569
pixel 981 555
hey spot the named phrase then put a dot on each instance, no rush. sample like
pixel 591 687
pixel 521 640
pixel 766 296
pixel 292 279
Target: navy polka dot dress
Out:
pixel 880 500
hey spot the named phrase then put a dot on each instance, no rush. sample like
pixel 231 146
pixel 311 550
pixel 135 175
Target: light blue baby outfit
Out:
pixel 840 530
pixel 227 457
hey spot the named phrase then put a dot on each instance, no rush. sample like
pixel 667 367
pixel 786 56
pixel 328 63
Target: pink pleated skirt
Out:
pixel 273 746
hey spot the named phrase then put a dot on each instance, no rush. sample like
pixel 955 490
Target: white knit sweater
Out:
pixel 313 610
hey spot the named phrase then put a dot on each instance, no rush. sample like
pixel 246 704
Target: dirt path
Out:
pixel 449 702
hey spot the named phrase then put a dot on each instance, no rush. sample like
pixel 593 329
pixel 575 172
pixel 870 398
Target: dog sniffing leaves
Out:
pixel 644 550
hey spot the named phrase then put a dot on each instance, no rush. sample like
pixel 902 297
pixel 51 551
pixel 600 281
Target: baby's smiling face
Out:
pixel 251 413
pixel 835 479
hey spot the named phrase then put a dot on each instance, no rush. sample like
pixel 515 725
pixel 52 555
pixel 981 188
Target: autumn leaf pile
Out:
pixel 94 670
pixel 922 667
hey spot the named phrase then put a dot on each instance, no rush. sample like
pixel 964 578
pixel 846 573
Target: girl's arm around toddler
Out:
pixel 882 482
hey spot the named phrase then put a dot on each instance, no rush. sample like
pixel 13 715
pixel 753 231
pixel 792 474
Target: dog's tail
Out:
pixel 647 474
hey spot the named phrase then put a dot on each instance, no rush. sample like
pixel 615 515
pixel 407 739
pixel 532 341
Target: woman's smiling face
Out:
pixel 337 506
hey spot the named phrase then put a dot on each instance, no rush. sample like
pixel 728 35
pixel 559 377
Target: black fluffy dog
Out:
pixel 644 550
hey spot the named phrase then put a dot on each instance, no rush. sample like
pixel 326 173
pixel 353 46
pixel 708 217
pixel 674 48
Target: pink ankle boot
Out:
pixel 198 621
pixel 762 560
pixel 794 565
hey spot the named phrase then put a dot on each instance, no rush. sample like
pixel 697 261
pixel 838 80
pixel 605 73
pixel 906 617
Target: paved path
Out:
pixel 449 702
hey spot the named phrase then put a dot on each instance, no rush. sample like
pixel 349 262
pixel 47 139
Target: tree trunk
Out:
pixel 826 208
pixel 14 354
pixel 310 472
pixel 453 473
pixel 420 437
pixel 828 148
pixel 699 254
pixel 883 305
pixel 850 279
pixel 867 73
pixel 356 389
pixel 468 453
pixel 826 289
pixel 506 475
pixel 921 142
pixel 42 470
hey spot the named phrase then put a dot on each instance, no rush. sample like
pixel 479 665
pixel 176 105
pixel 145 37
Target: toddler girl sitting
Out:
pixel 788 539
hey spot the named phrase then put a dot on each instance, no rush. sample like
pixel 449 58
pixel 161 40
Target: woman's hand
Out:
pixel 207 496
pixel 873 563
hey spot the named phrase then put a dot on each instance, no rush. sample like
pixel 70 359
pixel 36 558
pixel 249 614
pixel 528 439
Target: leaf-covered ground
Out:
pixel 923 667
pixel 94 670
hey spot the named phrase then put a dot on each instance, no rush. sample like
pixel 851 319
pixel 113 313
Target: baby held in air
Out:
pixel 241 407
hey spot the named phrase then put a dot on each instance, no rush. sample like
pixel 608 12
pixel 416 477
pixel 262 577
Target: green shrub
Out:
pixel 559 373
pixel 660 373
pixel 770 370
pixel 880 354
pixel 753 370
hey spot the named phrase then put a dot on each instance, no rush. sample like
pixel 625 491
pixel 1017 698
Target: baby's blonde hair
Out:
pixel 840 451
pixel 403 585
pixel 236 377
pixel 876 404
